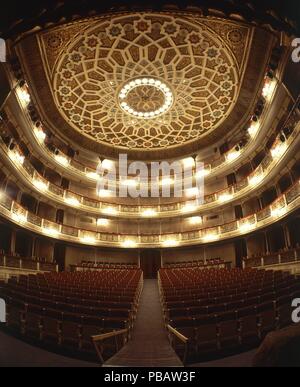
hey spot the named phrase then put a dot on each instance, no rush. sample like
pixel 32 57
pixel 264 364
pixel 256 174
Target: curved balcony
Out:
pixel 263 173
pixel 88 174
pixel 279 209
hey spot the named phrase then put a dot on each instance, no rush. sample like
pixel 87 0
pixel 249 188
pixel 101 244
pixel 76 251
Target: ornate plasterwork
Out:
pixel 202 59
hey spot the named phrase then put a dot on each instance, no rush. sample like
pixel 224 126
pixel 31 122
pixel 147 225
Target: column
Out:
pixel 287 237
pixel 267 244
pixel 13 241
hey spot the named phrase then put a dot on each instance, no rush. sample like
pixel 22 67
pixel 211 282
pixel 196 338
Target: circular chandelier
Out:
pixel 145 98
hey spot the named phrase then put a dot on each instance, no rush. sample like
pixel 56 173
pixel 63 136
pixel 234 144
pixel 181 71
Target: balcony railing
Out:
pixel 12 262
pixel 284 257
pixel 281 207
pixel 67 197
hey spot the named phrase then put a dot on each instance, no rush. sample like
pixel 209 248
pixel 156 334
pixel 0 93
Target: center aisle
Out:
pixel 149 346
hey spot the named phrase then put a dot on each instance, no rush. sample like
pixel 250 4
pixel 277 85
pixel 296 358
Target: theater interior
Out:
pixel 90 277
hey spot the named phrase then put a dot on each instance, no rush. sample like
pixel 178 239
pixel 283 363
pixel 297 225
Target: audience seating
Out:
pixel 89 266
pixel 208 263
pixel 224 311
pixel 63 310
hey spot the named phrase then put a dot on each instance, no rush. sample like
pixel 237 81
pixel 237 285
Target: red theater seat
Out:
pixel 230 309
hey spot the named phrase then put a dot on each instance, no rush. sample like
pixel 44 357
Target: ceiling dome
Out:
pixel 146 82
pixel 202 69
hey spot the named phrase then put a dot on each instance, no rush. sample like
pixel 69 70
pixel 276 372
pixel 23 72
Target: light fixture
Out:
pixel 149 213
pixel 202 173
pixel 189 207
pixel 190 192
pixel 72 202
pixel 279 150
pixel 88 239
pixel 16 157
pixel 233 155
pixel 170 243
pixel 20 218
pixel 40 135
pixel 268 89
pixel 62 160
pixel 24 96
pixel 245 227
pixel 210 237
pixel 40 185
pixel 225 197
pixel 92 175
pixel 142 83
pixel 278 212
pixel 107 164
pixel 109 211
pixel 50 231
pixel 129 243
pixel 102 222
pixel 195 220
pixel 256 179
pixel 189 162
pixel 253 129
pixel 104 193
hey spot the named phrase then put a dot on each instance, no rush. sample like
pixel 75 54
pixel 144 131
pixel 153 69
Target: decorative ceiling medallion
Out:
pixel 199 62
pixel 145 98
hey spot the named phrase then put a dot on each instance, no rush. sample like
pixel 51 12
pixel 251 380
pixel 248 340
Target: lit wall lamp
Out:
pixel 210 237
pixel 109 211
pixel 24 96
pixel 189 207
pixel 278 212
pixel 225 197
pixel 129 243
pixel 20 218
pixel 170 243
pixel 72 202
pixel 102 222
pixel 149 213
pixel 50 232
pixel 62 160
pixel 255 179
pixel 40 185
pixel 195 220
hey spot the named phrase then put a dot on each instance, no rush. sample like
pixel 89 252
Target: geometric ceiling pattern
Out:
pixel 202 60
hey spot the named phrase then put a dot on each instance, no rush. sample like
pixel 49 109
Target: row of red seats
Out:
pixel 63 310
pixel 218 262
pixel 106 265
pixel 242 308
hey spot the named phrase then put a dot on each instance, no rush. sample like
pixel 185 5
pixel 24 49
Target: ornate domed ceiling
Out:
pixel 143 81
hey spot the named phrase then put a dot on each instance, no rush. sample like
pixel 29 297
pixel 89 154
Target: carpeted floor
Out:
pixel 149 346
pixel 243 360
pixel 16 353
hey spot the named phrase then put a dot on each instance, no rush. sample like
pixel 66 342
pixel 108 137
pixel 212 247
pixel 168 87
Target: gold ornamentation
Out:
pixel 201 59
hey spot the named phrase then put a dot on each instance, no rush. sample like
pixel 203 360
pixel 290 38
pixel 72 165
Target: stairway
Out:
pixel 149 346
